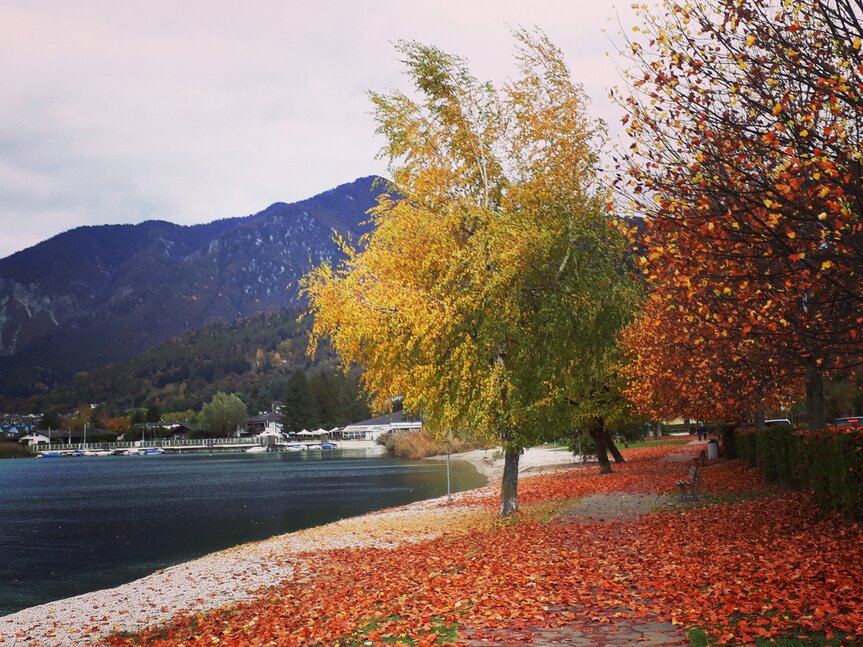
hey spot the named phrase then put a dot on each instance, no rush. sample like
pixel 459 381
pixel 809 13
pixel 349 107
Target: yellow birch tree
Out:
pixel 491 289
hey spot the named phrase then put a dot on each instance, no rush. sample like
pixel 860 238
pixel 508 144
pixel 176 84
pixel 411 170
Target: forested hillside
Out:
pixel 257 357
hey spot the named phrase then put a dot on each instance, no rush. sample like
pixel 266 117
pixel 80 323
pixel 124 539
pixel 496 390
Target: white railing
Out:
pixel 158 442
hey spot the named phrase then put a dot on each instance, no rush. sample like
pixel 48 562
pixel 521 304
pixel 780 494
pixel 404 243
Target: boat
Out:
pixel 329 446
pixel 256 450
pixel 50 454
pixel 153 451
pixel 296 447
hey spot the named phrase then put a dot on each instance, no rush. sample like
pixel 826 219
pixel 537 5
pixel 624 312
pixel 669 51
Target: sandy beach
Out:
pixel 236 574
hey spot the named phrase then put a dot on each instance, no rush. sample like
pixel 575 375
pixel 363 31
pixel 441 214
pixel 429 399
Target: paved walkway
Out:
pixel 606 630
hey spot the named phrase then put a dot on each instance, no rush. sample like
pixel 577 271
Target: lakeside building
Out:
pixel 35 438
pixel 269 424
pixel 55 436
pixel 374 428
pixel 166 430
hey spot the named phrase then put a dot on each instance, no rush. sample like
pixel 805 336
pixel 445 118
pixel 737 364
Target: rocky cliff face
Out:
pixel 95 295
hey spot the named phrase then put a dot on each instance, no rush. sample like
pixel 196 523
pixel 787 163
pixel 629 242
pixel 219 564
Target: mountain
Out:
pixel 96 295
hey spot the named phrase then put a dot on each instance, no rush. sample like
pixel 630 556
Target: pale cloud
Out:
pixel 191 111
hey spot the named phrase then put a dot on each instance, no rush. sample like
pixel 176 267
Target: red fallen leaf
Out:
pixel 684 566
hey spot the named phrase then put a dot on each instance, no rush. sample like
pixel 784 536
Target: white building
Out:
pixel 373 428
pixel 268 424
pixel 35 438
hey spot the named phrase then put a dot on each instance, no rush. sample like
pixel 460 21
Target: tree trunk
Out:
pixel 597 432
pixel 815 397
pixel 509 488
pixel 615 452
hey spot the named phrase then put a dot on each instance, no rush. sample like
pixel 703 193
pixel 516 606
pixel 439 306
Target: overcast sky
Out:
pixel 195 110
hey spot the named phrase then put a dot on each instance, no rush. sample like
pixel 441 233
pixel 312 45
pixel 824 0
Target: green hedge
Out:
pixel 830 462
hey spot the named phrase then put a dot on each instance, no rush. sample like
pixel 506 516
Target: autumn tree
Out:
pixel 682 367
pixel 490 291
pixel 223 414
pixel 745 117
pixel 118 424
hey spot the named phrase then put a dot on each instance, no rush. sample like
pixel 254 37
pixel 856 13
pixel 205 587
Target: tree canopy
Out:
pixel 492 287
pixel 745 117
pixel 223 414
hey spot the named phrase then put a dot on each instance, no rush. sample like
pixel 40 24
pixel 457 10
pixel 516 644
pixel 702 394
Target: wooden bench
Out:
pixel 689 485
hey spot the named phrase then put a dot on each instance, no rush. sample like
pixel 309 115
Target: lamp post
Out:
pixel 448 449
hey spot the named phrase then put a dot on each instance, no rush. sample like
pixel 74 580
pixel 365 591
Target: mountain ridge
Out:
pixel 99 294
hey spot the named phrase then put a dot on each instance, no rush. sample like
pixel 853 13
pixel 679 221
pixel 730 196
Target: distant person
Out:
pixel 701 431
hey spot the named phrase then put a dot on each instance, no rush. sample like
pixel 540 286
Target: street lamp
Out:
pixel 448 490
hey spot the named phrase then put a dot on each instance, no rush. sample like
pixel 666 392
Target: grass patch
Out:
pixel 544 512
pixel 699 638
pixel 548 510
pixel 734 497
pixel 444 633
pixel 654 443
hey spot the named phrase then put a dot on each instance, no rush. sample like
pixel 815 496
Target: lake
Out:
pixel 73 525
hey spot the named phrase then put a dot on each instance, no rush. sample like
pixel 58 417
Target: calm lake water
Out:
pixel 73 525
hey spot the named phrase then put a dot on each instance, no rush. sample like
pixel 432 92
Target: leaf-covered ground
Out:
pixel 749 563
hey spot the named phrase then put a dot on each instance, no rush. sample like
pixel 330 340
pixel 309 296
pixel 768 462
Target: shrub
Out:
pixel 830 462
pixel 419 444
pixel 14 450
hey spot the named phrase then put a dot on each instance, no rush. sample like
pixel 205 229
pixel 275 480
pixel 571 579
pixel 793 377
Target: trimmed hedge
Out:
pixel 829 462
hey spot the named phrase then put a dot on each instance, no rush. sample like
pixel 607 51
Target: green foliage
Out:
pixel 699 638
pixel 101 436
pixel 829 462
pixel 224 413
pixel 154 413
pixel 299 406
pixel 746 447
pixel 772 446
pixel 189 415
pixel 184 373
pixel 490 296
pixel 325 398
pixel 50 420
pixel 728 439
